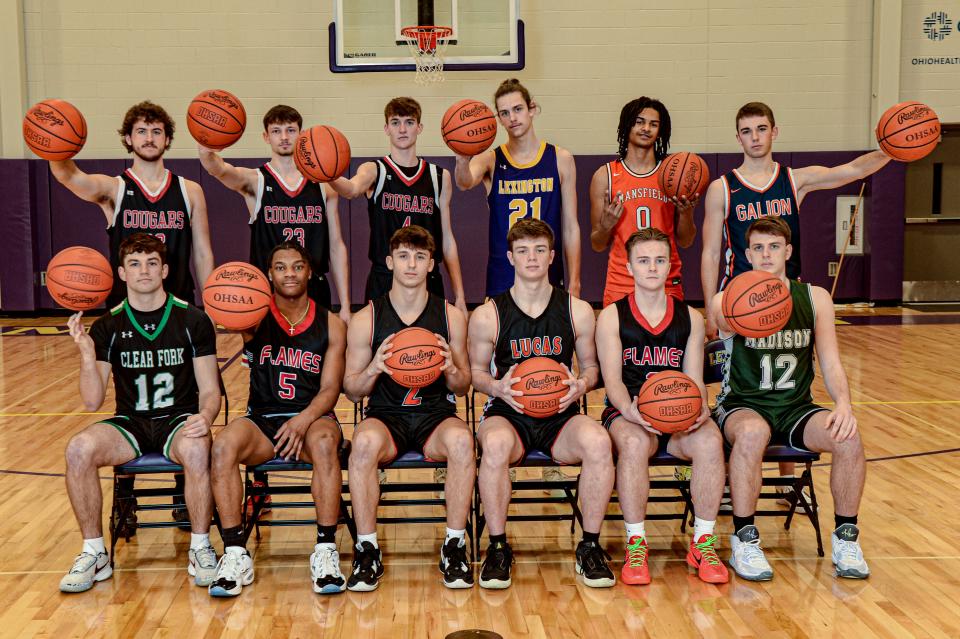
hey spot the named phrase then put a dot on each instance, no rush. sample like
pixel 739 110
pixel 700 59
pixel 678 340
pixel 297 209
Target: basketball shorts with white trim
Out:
pixel 787 423
pixel 148 434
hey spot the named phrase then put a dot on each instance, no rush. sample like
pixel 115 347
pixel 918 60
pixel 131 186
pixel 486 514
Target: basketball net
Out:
pixel 427 45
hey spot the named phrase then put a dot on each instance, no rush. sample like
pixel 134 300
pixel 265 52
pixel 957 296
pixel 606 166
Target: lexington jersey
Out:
pixel 644 206
pixel 651 349
pixel 520 191
pixel 286 361
pixel 774 371
pixel 404 196
pixel 744 204
pixel 151 356
pixel 164 213
pixel 387 395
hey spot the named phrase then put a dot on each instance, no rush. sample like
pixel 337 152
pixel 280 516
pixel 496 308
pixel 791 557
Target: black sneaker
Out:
pixel 456 570
pixel 367 568
pixel 127 528
pixel 592 564
pixel 495 572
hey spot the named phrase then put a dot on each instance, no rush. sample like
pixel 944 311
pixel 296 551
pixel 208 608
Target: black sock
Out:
pixel 326 534
pixel 740 522
pixel 232 537
pixel 589 536
pixel 839 520
pixel 498 539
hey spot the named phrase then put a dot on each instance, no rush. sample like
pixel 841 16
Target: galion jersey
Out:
pixel 151 355
pixel 520 191
pixel 404 196
pixel 744 204
pixel 651 349
pixel 391 396
pixel 644 206
pixel 286 362
pixel 164 213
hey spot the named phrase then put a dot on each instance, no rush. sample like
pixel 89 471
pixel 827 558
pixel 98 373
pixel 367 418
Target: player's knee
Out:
pixel 752 437
pixel 224 454
pixel 707 443
pixel 460 446
pixel 323 444
pixel 497 447
pixel 365 448
pixel 80 451
pixel 597 447
pixel 849 448
pixel 194 454
pixel 634 445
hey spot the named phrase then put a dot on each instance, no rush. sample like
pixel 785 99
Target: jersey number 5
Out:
pixel 286 382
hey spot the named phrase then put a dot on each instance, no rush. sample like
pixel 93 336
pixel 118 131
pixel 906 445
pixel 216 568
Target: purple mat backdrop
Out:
pixel 42 217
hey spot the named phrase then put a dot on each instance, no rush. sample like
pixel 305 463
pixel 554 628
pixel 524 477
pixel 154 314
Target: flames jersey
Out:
pixel 650 349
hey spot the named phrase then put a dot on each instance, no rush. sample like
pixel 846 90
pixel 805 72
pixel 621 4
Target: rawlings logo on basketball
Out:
pixel 675 387
pixel 237 275
pixel 73 297
pixel 541 384
pixel 49 117
pixel 304 155
pixel 418 358
pixel 224 99
pixel 918 112
pixel 233 298
pixel 770 293
pixel 472 112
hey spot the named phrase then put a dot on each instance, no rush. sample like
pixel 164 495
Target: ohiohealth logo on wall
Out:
pixel 937 25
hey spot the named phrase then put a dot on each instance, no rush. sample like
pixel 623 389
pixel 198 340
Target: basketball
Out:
pixel 216 119
pixel 541 382
pixel 236 295
pixel 683 175
pixel 79 278
pixel 670 401
pixel 468 127
pixel 757 304
pixel 908 131
pixel 54 129
pixel 322 153
pixel 415 358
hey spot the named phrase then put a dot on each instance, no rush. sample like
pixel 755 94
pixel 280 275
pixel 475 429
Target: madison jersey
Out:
pixel 520 191
pixel 387 395
pixel 164 213
pixel 151 355
pixel 744 204
pixel 651 349
pixel 286 361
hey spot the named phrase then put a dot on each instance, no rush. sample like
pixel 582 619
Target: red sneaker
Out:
pixel 635 571
pixel 267 500
pixel 703 557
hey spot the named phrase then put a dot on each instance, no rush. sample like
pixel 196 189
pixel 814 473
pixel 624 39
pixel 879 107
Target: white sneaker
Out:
pixel 726 504
pixel 787 496
pixel 234 571
pixel 746 555
pixel 847 555
pixel 87 569
pixel 203 565
pixel 552 473
pixel 381 476
pixel 325 570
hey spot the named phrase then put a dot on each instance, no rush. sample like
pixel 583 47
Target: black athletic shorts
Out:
pixel 270 423
pixel 535 433
pixel 787 423
pixel 380 282
pixel 148 434
pixel 409 431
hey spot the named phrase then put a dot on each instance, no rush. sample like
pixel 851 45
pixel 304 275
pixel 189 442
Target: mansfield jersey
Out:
pixel 644 206
pixel 520 191
pixel 151 355
pixel 651 349
pixel 744 204
pixel 286 362
pixel 164 213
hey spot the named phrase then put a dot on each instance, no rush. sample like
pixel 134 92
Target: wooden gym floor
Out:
pixel 903 374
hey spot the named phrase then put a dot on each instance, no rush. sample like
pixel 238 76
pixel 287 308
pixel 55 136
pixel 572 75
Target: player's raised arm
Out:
pixel 605 210
pixel 815 178
pixel 360 184
pixel 202 251
pixel 339 258
pixel 236 178
pixel 451 253
pixel 472 170
pixel 94 364
pixel 710 258
pixel 570 226
pixel 91 187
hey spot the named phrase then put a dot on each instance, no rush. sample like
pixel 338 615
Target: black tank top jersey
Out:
pixel 404 196
pixel 165 214
pixel 520 337
pixel 286 362
pixel 282 214
pixel 391 396
pixel 151 355
pixel 651 349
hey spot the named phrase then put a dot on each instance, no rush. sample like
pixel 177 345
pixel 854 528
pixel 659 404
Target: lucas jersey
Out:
pixel 151 356
pixel 651 349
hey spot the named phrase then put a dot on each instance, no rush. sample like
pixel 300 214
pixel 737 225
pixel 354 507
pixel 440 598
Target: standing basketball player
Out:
pixel 766 399
pixel 399 419
pixel 403 189
pixel 162 352
pixel 150 199
pixel 625 197
pixel 531 319
pixel 639 335
pixel 285 206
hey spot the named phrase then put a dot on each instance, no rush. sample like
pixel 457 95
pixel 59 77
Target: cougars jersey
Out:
pixel 651 349
pixel 286 361
pixel 744 204
pixel 518 191
pixel 151 356
pixel 164 213
pixel 644 206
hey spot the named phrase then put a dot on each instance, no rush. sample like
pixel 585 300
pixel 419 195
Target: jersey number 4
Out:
pixel 162 391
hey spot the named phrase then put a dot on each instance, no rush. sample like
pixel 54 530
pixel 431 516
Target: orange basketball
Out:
pixel 683 175
pixel 541 382
pixel 216 119
pixel 757 304
pixel 468 127
pixel 54 129
pixel 322 153
pixel 670 401
pixel 236 295
pixel 908 131
pixel 415 358
pixel 79 278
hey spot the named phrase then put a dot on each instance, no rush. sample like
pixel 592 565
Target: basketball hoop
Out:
pixel 427 45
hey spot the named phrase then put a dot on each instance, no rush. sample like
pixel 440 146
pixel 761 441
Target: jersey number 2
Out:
pixel 411 398
pixel 291 233
pixel 162 391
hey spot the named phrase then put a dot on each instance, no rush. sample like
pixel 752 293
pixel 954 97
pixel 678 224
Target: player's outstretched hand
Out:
pixel 683 203
pixel 290 437
pixel 841 424
pixel 378 364
pixel 578 388
pixel 196 426
pixel 503 388
pixel 79 334
pixel 612 210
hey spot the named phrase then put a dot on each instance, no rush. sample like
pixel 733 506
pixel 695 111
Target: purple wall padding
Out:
pixel 16 254
pixel 883 280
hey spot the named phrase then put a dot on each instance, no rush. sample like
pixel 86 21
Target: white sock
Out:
pixel 702 527
pixel 240 550
pixel 94 546
pixel 635 530
pixel 197 541
pixel 458 534
pixel 372 538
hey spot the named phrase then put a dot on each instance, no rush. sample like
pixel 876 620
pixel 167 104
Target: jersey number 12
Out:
pixel 162 392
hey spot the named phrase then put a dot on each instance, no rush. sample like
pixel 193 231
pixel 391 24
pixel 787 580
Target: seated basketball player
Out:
pixel 295 355
pixel 162 352
pixel 399 419
pixel 766 400
pixel 534 318
pixel 644 333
